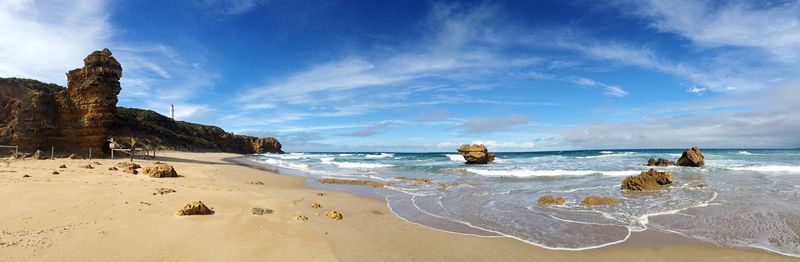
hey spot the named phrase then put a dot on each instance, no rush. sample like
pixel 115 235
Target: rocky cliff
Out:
pixel 84 115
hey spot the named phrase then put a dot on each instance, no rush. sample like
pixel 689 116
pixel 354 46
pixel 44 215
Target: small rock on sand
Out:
pixel 195 208
pixel 333 215
pixel 301 217
pixel 73 156
pixel 256 182
pixel 316 205
pixel 261 211
pixel 98 163
pixel 63 166
pixel 320 194
pixel 551 200
pixel 113 169
pixel 599 200
pixel 38 155
pixel 163 190
pixel 160 170
pixel 128 167
pixel 26 176
pixel 56 173
pixel 87 167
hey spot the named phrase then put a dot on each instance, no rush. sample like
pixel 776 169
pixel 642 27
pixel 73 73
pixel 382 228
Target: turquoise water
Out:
pixel 750 198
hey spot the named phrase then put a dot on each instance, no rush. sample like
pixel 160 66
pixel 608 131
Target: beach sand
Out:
pixel 101 215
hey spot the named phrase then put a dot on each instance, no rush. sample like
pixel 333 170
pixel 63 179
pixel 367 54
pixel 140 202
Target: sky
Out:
pixel 412 76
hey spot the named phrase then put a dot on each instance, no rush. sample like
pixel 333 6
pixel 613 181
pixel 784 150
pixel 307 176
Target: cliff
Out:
pixel 84 115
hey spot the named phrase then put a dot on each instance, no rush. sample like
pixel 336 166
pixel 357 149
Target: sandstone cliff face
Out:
pixel 84 115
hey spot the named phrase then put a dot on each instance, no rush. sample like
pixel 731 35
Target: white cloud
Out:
pixel 45 39
pixel 233 7
pixel 772 27
pixel 491 125
pixel 696 90
pixel 616 91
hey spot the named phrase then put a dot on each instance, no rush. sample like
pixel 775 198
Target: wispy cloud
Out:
pixel 491 125
pixel 610 90
pixel 376 128
pixel 232 7
pixel 769 26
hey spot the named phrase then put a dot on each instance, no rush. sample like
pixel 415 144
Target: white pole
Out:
pixel 172 111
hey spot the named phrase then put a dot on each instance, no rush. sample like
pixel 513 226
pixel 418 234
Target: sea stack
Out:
pixel 476 154
pixel 691 157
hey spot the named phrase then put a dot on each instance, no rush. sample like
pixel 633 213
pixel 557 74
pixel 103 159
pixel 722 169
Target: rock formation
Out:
pixel 160 170
pixel 476 154
pixel 195 208
pixel 551 200
pixel 84 115
pixel 333 215
pixel 647 180
pixel 599 200
pixel 692 157
pixel 129 167
pixel 659 162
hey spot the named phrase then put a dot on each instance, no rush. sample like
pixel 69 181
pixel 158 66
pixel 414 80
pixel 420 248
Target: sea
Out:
pixel 743 198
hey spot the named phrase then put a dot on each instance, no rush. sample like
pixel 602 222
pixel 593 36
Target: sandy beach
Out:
pixel 100 215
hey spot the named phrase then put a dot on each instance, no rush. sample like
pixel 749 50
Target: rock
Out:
pixel 301 217
pixel 115 169
pixel 160 170
pixel 351 182
pixel 74 156
pixel 163 191
pixel 691 157
pixel 266 145
pixel 316 205
pixel 98 163
pixel 551 200
pixel 63 166
pixel 261 211
pixel 442 186
pixel 659 162
pixel 256 182
pixel 320 194
pixel 333 215
pixel 26 176
pixel 128 167
pixel 476 154
pixel 599 200
pixel 647 180
pixel 56 173
pixel 195 208
pixel 87 167
pixel 38 155
pixel 418 180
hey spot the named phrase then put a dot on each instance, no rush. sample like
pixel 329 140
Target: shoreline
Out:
pixel 110 221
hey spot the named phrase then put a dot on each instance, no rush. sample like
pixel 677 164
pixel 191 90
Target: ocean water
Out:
pixel 750 198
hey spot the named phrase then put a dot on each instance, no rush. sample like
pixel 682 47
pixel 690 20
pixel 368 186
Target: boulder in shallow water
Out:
pixel 691 157
pixel 647 180
pixel 195 208
pixel 660 162
pixel 476 154
pixel 599 200
pixel 551 200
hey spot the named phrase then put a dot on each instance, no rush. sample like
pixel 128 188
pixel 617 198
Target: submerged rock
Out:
pixel 351 182
pixel 551 200
pixel 160 170
pixel 647 180
pixel 599 200
pixel 195 208
pixel 418 180
pixel 333 215
pixel 476 154
pixel 692 157
pixel 660 162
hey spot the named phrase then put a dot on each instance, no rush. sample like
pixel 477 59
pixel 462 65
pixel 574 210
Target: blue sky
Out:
pixel 430 75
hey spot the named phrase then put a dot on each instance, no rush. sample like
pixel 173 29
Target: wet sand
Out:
pixel 101 215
